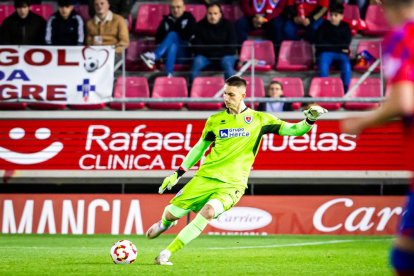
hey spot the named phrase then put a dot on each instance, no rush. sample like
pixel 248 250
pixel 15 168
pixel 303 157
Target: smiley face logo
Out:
pixel 47 153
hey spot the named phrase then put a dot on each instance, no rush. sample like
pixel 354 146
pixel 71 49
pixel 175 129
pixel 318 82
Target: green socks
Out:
pixel 189 233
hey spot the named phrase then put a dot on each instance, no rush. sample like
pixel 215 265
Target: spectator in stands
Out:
pixel 173 35
pixel 23 27
pixel 332 45
pixel 214 42
pixel 304 18
pixel 107 28
pixel 275 90
pixel 121 7
pixel 362 5
pixel 264 15
pixel 65 27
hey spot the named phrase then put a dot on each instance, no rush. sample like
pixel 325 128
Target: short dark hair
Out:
pixel 214 3
pixel 21 3
pixel 337 8
pixel 276 82
pixel 65 3
pixel 236 81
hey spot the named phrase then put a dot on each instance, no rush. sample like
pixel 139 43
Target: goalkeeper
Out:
pixel 235 135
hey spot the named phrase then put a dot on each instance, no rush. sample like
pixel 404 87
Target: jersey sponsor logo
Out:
pixel 233 132
pixel 248 119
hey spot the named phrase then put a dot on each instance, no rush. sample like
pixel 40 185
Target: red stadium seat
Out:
pixel 47 106
pixel 44 10
pixel 5 11
pixel 136 47
pixel 231 12
pixel 169 87
pixel 377 24
pixel 199 11
pixel 295 56
pixel 330 87
pixel 374 48
pixel 264 53
pixel 292 88
pixel 206 87
pixel 83 11
pixel 149 17
pixel 12 106
pixel 369 88
pixel 259 91
pixel 135 87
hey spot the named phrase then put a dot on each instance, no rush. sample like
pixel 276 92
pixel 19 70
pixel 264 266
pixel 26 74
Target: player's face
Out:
pixel 22 12
pixel 233 96
pixel 177 8
pixel 65 11
pixel 213 15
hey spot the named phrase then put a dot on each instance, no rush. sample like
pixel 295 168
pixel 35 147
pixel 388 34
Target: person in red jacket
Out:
pixel 304 18
pixel 261 14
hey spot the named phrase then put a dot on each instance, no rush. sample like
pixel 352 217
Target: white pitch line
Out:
pixel 291 244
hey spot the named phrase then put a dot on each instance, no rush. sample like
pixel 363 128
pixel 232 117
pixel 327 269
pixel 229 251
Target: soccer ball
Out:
pixel 123 252
pixel 91 64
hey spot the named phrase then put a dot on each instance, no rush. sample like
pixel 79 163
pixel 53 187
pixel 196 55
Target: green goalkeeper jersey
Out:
pixel 236 140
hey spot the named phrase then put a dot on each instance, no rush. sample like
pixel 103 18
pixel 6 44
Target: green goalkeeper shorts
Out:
pixel 200 190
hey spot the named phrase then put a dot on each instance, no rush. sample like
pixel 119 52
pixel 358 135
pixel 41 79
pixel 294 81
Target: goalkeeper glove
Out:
pixel 171 180
pixel 313 113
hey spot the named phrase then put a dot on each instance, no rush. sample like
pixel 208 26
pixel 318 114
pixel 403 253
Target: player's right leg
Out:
pixel 169 219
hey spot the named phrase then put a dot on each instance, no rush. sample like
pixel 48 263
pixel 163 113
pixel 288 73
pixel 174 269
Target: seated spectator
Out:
pixel 214 42
pixel 304 18
pixel 23 27
pixel 332 45
pixel 65 27
pixel 275 90
pixel 107 28
pixel 263 15
pixel 173 35
pixel 362 5
pixel 121 7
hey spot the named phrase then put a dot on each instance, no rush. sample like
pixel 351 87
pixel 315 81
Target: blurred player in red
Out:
pixel 398 58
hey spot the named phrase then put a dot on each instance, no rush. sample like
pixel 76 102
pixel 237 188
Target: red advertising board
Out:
pixel 130 144
pixel 253 215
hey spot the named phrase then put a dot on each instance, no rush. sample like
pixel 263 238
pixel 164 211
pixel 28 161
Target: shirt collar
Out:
pixel 107 18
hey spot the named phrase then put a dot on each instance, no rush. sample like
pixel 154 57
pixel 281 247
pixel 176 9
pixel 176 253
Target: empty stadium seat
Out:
pixel 44 10
pixel 135 87
pixel 259 90
pixel 206 87
pixel 47 106
pixel 231 12
pixel 149 17
pixel 169 87
pixel 295 56
pixel 369 88
pixel 377 24
pixel 83 11
pixel 374 48
pixel 12 106
pixel 5 11
pixel 292 88
pixel 264 53
pixel 330 87
pixel 199 11
pixel 133 61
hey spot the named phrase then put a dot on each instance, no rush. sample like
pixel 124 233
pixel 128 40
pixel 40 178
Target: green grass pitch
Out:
pixel 208 255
